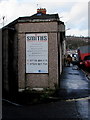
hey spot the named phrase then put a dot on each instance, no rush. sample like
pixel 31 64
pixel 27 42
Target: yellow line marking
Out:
pixel 78 99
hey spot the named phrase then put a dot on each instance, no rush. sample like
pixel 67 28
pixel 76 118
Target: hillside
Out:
pixel 73 42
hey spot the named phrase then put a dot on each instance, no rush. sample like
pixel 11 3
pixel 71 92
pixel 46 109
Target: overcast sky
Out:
pixel 73 13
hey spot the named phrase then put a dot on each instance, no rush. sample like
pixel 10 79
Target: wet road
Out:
pixel 74 84
pixel 75 103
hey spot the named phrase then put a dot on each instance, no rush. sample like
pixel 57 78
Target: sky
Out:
pixel 73 14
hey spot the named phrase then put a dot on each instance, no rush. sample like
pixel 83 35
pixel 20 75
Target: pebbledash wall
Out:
pixel 33 52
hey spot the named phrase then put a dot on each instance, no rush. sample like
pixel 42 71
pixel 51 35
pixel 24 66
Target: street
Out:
pixel 73 103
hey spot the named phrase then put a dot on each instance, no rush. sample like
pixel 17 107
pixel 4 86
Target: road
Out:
pixel 74 102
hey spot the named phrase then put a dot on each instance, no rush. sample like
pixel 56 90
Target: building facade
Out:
pixel 32 52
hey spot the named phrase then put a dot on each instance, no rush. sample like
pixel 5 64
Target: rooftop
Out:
pixel 39 16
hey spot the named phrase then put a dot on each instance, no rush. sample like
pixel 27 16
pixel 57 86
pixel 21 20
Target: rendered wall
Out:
pixel 41 80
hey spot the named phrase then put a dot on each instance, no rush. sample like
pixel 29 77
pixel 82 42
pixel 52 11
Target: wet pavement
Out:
pixel 74 103
pixel 74 84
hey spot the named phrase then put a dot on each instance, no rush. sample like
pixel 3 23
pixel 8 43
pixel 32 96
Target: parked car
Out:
pixel 86 61
pixel 84 57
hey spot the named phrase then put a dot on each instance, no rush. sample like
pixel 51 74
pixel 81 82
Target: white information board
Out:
pixel 37 53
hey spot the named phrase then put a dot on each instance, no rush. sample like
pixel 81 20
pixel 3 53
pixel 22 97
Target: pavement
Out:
pixel 74 84
pixel 73 101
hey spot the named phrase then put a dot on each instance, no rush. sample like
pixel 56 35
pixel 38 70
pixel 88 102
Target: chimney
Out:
pixel 41 10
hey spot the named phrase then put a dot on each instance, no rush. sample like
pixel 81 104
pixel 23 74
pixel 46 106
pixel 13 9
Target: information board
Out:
pixel 37 53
